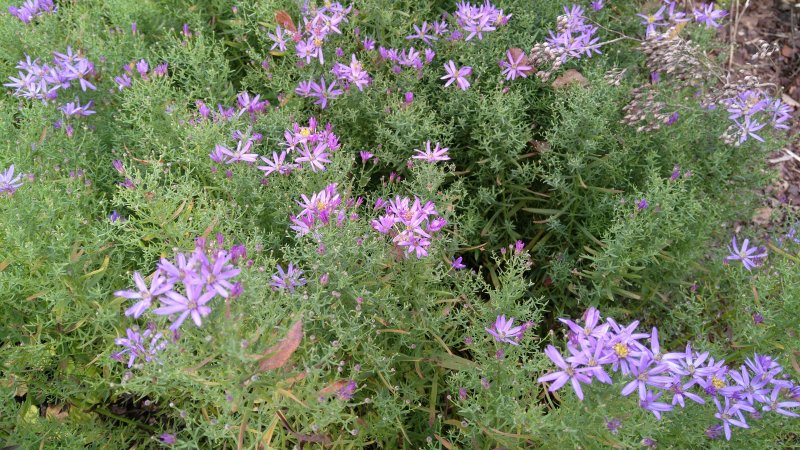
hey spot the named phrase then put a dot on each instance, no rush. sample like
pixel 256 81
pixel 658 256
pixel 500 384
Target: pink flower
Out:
pixel 457 74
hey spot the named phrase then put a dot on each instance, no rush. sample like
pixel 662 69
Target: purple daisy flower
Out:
pixel 569 372
pixel 504 331
pixel 192 304
pixel 749 256
pixel 158 286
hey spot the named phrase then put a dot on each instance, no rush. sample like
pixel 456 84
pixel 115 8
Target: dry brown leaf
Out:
pixel 762 216
pixel 334 387
pixel 279 354
pixel 285 20
pixel 570 77
pixel 55 412
pixel 789 101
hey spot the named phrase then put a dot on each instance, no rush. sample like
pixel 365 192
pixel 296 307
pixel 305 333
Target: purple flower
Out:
pixel 645 373
pixel 457 264
pixel 431 156
pixel 135 345
pixel 749 256
pixel 215 274
pixel 192 304
pixel 613 425
pixel 458 75
pixel 642 204
pixel 568 373
pixel 346 392
pixel 277 164
pixel 158 286
pixel 114 216
pixel 422 34
pixel 653 20
pixel 365 155
pixel 708 15
pixel 278 39
pixel 8 182
pixel 650 403
pixel 289 279
pixel 748 128
pixel 593 354
pixel 242 152
pixel 714 432
pixel 731 415
pixel 323 92
pixel 679 390
pixel 597 5
pixel 746 387
pixel 772 404
pixel 167 438
pixel 316 157
pixel 504 331
pixel 515 66
pixel 591 319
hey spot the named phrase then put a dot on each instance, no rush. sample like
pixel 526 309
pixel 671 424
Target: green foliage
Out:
pixel 554 168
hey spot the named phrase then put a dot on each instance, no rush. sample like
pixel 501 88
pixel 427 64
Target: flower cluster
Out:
pixel 708 14
pixel 659 19
pixel 243 151
pixel 688 375
pixel 353 73
pixel 42 81
pixel 310 145
pixel 142 67
pixel 410 57
pixel 31 9
pixel 185 286
pixel 574 38
pixel 318 26
pixel 411 225
pixel 751 111
pixel 476 20
pixel 322 208
pixel 8 182
pixel 322 91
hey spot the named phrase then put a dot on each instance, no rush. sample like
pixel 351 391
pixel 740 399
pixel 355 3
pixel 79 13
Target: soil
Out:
pixel 778 22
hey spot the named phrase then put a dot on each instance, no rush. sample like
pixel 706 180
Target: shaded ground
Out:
pixel 774 21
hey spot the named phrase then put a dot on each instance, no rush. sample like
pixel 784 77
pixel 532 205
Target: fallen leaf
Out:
pixel 762 216
pixel 333 387
pixel 285 20
pixel 277 355
pixel 570 77
pixel 55 412
pixel 789 101
pixel 787 51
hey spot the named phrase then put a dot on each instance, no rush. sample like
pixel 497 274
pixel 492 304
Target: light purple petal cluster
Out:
pixel 37 81
pixel 475 20
pixel 322 91
pixel 708 14
pixel 287 279
pixel 9 183
pixel 752 110
pixel 504 330
pixel 438 153
pixel 458 75
pixel 323 208
pixel 574 38
pixel 307 146
pixel 690 375
pixel 410 224
pixel 750 257
pixel 32 8
pixel 352 74
pixel 185 285
pixel 139 345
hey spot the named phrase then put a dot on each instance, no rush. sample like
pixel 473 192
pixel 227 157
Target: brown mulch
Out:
pixel 774 21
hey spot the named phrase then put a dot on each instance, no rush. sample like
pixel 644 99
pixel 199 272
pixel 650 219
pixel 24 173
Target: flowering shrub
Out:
pixel 279 224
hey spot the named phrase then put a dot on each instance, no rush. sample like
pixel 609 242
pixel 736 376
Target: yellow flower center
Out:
pixel 718 383
pixel 621 350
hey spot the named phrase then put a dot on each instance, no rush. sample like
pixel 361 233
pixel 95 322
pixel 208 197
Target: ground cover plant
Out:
pixel 389 224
